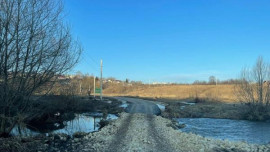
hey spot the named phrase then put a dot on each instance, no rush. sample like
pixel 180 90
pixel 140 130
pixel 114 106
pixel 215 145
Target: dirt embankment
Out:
pixel 206 109
pixel 140 132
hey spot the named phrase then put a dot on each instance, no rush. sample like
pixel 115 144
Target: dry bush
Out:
pixel 254 90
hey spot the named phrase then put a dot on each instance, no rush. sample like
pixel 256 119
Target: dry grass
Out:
pixel 217 110
pixel 210 92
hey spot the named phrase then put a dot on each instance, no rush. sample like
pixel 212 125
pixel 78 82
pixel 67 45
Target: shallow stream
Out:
pixel 86 122
pixel 233 130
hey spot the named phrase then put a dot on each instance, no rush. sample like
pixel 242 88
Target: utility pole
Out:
pixel 100 79
pixel 94 87
pixel 80 87
pixel 89 90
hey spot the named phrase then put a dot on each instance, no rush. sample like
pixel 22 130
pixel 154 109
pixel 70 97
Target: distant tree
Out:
pixel 212 80
pixel 197 82
pixel 35 45
pixel 79 75
pixel 230 81
pixel 127 81
pixel 87 75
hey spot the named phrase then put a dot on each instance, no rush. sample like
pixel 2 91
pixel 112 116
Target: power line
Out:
pixel 89 64
pixel 91 58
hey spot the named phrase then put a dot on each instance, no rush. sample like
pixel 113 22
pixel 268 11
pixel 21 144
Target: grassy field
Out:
pixel 212 101
pixel 223 93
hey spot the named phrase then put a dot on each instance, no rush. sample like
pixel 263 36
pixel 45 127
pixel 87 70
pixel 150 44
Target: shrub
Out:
pixel 199 100
pixel 254 90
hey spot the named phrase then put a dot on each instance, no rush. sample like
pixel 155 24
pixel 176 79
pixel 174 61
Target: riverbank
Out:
pixel 191 108
pixel 141 133
pixel 52 113
pixel 207 108
pixel 42 143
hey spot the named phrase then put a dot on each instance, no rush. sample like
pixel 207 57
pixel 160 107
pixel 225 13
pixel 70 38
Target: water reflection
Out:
pixel 86 122
pixel 81 123
pixel 161 107
pixel 124 105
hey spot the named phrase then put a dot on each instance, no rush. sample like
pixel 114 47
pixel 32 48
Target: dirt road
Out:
pixel 144 128
pixel 140 106
pixel 138 133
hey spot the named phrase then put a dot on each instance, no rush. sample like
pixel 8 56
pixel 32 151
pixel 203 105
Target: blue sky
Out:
pixel 170 40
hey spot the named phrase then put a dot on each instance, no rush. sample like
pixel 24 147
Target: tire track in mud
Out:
pixel 161 143
pixel 120 135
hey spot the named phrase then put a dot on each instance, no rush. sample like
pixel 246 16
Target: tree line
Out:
pixel 213 81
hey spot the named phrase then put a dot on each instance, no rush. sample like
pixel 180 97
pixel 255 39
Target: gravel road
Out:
pixel 140 106
pixel 143 132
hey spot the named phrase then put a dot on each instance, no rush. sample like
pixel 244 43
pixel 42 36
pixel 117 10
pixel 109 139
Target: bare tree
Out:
pixel 35 45
pixel 254 87
pixel 212 80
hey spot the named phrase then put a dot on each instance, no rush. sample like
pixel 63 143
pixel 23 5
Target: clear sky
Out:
pixel 170 40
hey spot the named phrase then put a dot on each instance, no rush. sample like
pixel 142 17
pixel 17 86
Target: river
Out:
pixel 233 130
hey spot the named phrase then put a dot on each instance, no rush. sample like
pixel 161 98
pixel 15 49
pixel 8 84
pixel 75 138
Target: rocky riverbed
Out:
pixel 132 132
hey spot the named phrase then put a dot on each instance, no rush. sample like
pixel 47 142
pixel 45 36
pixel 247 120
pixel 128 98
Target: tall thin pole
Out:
pixel 94 87
pixel 89 90
pixel 80 87
pixel 100 79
